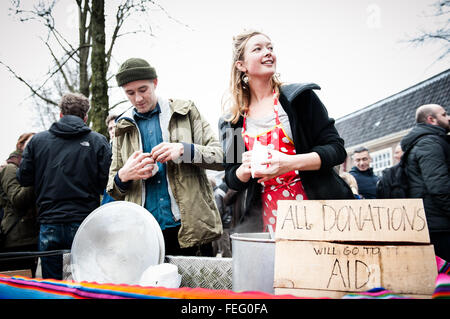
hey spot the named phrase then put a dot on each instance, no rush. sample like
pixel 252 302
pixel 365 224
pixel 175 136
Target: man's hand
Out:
pixel 164 152
pixel 138 166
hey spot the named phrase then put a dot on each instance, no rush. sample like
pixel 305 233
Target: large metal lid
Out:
pixel 116 243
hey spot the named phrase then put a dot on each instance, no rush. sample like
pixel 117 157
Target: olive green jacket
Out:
pixel 18 202
pixel 190 192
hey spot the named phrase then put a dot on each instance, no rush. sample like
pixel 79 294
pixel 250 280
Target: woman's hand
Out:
pixel 280 163
pixel 244 173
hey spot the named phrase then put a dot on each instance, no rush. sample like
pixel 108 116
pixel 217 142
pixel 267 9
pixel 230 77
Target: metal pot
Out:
pixel 253 262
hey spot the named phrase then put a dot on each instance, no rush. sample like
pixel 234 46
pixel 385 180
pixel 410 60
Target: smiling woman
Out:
pixel 301 143
pixel 258 64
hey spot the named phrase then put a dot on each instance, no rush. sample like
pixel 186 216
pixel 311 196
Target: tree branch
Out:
pixel 117 104
pixel 57 35
pixel 121 14
pixel 29 86
pixel 442 34
pixel 167 13
pixel 59 69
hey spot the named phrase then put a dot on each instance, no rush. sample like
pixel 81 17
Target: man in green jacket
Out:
pixel 161 149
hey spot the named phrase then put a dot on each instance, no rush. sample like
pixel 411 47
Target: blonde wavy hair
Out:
pixel 351 181
pixel 239 93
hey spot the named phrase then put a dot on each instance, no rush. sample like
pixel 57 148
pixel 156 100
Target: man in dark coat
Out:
pixel 363 173
pixel 428 171
pixel 68 166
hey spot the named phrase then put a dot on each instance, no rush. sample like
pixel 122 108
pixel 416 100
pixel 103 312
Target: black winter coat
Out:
pixel 313 131
pixel 428 171
pixel 68 166
pixel 367 182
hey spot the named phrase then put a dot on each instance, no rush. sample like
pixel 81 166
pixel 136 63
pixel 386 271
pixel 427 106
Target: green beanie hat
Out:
pixel 135 69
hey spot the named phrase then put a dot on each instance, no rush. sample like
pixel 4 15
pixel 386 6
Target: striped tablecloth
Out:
pixel 19 287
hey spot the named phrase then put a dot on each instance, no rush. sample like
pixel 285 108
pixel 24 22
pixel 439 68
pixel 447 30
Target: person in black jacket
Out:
pixel 428 172
pixel 302 142
pixel 363 173
pixel 68 166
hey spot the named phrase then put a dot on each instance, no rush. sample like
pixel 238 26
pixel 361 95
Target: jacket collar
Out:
pixel 147 115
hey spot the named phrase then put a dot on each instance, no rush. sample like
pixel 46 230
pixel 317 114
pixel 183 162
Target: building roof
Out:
pixel 395 113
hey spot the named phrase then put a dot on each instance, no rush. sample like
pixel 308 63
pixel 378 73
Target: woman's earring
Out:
pixel 245 78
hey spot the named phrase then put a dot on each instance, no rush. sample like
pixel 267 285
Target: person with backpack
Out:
pixel 393 182
pixel 427 168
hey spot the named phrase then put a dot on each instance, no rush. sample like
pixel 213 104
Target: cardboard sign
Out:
pixel 381 220
pixel 353 268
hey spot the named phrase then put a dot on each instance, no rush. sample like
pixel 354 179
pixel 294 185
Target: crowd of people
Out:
pixel 424 155
pixel 276 142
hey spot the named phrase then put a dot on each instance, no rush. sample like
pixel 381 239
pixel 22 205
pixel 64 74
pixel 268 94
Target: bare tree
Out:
pixel 99 105
pixel 80 65
pixel 441 11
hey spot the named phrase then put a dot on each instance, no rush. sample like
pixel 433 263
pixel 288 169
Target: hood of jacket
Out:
pixel 69 126
pixel 420 130
pixel 291 91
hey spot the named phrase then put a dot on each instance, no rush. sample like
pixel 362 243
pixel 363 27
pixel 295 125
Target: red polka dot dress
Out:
pixel 284 187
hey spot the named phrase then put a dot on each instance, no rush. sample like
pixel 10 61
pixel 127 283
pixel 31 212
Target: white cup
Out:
pixel 260 153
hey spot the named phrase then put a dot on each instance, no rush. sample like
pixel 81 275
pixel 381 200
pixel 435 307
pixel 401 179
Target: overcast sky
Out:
pixel 355 50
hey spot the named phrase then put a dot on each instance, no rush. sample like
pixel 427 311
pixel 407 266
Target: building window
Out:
pixel 381 159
